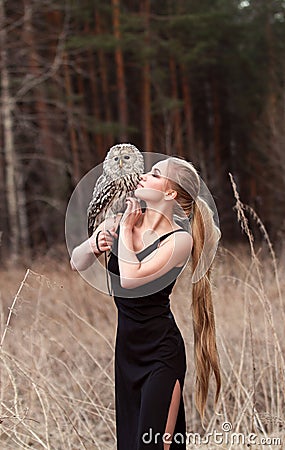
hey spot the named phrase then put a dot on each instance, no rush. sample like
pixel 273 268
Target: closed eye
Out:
pixel 155 173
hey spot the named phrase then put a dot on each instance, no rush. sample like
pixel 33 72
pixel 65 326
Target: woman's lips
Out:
pixel 139 185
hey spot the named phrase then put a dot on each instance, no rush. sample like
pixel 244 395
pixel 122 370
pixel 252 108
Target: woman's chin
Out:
pixel 138 192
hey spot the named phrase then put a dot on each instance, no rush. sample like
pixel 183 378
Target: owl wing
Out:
pixel 110 198
pixel 102 197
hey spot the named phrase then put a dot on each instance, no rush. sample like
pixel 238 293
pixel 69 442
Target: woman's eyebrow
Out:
pixel 155 168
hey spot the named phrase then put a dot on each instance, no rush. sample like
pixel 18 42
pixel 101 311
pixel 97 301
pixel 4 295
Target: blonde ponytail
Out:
pixel 184 178
pixel 205 348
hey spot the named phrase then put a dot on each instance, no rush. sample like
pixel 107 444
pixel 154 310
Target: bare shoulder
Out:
pixel 184 238
pixel 181 242
pixel 183 246
pixel 180 236
pixel 183 234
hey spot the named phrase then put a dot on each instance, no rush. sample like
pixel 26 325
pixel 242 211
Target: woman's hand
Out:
pixel 132 213
pixel 102 241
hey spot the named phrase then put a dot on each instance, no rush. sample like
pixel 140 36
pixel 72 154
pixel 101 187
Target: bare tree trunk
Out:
pixel 272 79
pixel 96 109
pixel 82 131
pixel 7 105
pixel 188 115
pixel 146 90
pixel 46 142
pixel 176 113
pixel 3 207
pixel 99 141
pixel 121 83
pixel 23 217
pixel 273 132
pixel 103 68
pixel 71 128
pixel 217 126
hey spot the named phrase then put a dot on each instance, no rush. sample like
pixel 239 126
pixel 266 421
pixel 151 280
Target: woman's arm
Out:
pixel 83 255
pixel 101 240
pixel 174 251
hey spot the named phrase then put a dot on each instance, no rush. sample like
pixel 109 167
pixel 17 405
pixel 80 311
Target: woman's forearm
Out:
pixel 101 241
pixel 83 256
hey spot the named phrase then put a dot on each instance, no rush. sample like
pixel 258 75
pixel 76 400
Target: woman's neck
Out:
pixel 156 221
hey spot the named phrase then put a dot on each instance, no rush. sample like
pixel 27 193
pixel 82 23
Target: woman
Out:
pixel 149 250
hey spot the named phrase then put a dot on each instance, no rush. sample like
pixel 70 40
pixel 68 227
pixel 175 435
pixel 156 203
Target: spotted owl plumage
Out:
pixel 122 168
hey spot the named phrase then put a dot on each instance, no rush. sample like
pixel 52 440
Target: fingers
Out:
pixel 105 240
pixel 132 212
pixel 133 205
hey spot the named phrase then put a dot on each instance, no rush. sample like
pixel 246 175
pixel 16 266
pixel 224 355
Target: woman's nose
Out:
pixel 142 177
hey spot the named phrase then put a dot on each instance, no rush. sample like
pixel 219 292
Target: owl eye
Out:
pixel 126 157
pixel 116 158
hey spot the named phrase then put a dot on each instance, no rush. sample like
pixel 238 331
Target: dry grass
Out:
pixel 56 359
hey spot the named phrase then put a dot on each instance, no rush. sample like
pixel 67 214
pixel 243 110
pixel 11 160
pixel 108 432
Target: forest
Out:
pixel 204 80
pixel 200 79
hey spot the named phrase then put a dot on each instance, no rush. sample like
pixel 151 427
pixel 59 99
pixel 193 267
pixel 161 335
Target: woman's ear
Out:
pixel 171 194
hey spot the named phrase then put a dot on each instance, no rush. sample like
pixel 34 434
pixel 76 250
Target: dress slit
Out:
pixel 155 405
pixel 169 435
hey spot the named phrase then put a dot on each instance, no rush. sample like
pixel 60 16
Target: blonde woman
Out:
pixel 148 251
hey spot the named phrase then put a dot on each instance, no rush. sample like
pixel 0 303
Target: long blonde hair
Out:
pixel 185 180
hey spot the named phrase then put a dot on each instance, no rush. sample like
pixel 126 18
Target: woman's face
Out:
pixel 153 184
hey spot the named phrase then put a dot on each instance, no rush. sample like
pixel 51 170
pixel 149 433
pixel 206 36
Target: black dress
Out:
pixel 149 358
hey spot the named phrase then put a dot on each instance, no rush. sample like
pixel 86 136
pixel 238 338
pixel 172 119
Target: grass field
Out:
pixel 57 350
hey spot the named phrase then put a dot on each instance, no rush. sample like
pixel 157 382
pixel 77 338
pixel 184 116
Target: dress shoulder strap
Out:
pixel 147 250
pixel 164 236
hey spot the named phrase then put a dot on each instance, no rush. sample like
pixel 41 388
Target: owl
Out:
pixel 122 168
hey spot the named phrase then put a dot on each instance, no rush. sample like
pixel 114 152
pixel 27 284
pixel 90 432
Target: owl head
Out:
pixel 123 159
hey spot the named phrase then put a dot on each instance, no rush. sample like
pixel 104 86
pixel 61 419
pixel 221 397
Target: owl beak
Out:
pixel 121 163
